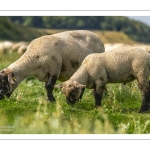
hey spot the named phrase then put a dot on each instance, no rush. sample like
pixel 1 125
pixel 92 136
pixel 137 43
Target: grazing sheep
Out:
pixel 22 49
pixel 49 58
pixel 17 45
pixel 5 46
pixel 109 46
pixel 143 46
pixel 116 66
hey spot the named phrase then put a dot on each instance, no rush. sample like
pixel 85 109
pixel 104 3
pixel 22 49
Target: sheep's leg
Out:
pixel 144 85
pixel 81 94
pixel 49 87
pixel 98 95
pixel 146 98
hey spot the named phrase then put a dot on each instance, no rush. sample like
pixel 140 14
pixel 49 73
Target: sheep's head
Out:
pixel 72 90
pixel 6 83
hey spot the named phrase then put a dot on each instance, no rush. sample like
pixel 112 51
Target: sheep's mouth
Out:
pixel 4 94
pixel 4 90
pixel 71 101
pixel 1 96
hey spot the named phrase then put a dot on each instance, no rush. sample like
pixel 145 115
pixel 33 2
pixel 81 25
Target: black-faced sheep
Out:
pixel 49 58
pixel 115 66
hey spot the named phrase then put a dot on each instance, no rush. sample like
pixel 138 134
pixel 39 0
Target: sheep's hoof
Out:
pixel 52 100
pixel 144 110
pixel 97 106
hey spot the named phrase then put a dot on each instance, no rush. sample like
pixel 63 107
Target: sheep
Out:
pixel 5 46
pixel 109 46
pixel 143 46
pixel 22 49
pixel 16 46
pixel 50 58
pixel 120 65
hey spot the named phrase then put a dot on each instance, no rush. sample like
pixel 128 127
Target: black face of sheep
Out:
pixel 4 87
pixel 72 90
pixel 5 81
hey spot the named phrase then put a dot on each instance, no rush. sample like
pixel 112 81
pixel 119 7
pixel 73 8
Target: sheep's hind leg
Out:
pixel 49 87
pixel 146 99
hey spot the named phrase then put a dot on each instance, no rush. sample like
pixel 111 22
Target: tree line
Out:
pixel 134 29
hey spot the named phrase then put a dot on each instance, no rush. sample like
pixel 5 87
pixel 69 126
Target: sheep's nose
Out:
pixel 1 96
pixel 69 102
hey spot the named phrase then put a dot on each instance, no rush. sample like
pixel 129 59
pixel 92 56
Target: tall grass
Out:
pixel 28 112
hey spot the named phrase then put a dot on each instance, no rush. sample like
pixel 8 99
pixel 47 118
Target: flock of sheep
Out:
pixel 21 47
pixel 9 47
pixel 81 60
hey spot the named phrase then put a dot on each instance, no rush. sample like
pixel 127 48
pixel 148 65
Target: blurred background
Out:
pixel 16 32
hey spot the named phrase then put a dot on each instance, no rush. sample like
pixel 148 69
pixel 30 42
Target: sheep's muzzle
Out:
pixel 4 88
pixel 1 95
pixel 71 101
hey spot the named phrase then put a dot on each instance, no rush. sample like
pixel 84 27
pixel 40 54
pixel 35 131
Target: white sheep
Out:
pixel 116 66
pixel 22 49
pixel 49 58
pixel 110 46
pixel 5 46
pixel 143 46
pixel 16 46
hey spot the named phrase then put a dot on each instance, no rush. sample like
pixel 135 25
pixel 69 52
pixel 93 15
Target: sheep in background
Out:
pixel 143 46
pixel 121 65
pixel 17 45
pixel 49 58
pixel 110 46
pixel 22 49
pixel 5 46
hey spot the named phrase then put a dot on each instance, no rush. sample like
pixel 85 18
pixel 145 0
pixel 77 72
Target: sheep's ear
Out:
pixel 81 85
pixel 78 85
pixel 11 78
pixel 58 86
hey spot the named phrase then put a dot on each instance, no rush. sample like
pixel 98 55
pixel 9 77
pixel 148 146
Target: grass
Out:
pixel 28 112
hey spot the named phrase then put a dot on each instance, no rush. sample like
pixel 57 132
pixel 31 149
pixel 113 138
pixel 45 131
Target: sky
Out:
pixel 144 19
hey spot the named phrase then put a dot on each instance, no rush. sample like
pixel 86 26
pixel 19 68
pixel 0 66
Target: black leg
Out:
pixel 98 97
pixel 81 93
pixel 146 100
pixel 49 87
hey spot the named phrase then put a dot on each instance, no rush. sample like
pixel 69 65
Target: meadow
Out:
pixel 28 112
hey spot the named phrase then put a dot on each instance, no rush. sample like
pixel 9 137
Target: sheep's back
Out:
pixel 119 65
pixel 70 46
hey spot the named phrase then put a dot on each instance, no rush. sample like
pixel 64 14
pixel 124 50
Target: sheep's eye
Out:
pixel 70 86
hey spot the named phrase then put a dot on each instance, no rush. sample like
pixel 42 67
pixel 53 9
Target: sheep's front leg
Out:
pixel 49 87
pixel 98 93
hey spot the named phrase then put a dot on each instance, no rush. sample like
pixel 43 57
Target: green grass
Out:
pixel 28 112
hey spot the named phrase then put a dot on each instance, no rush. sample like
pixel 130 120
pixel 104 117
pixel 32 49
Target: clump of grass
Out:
pixel 135 126
pixel 122 98
pixel 43 122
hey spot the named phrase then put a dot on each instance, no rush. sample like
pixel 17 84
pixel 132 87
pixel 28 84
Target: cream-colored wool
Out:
pixel 55 56
pixel 121 65
pixel 116 66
